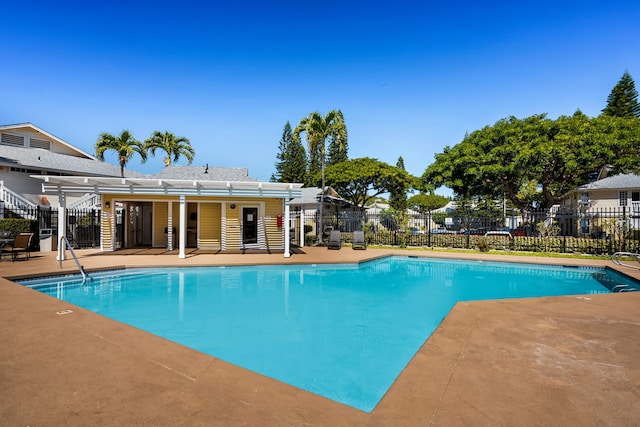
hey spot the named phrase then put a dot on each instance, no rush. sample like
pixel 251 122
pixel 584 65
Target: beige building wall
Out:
pixel 597 199
pixel 216 220
pixel 107 225
pixel 210 229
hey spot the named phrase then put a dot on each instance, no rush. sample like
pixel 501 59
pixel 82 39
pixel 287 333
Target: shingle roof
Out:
pixel 311 195
pixel 38 158
pixel 198 172
pixel 614 182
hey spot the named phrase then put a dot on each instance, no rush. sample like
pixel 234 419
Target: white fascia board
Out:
pixel 141 186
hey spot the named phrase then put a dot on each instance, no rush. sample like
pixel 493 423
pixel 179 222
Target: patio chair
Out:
pixel 21 244
pixel 358 240
pixel 334 240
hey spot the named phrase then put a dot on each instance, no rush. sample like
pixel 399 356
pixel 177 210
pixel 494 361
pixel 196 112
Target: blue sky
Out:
pixel 410 77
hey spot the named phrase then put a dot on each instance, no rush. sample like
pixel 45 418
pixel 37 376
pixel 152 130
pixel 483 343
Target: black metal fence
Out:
pixel 561 230
pixel 83 225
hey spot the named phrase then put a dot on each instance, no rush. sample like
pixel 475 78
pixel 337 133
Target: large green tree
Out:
pixel 427 202
pixel 623 99
pixel 292 158
pixel 338 150
pixel 318 129
pixel 174 146
pixel 125 145
pixel 361 180
pixel 398 196
pixel 513 156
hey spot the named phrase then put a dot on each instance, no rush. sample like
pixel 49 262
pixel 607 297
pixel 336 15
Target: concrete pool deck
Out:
pixel 561 361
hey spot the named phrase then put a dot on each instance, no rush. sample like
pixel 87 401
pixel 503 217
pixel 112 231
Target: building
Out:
pixel 337 214
pixel 614 198
pixel 27 150
pixel 218 209
pixel 208 208
pixel 615 191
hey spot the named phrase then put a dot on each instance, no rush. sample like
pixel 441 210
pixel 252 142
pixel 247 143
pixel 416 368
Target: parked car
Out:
pixel 439 231
pixel 497 234
pixel 520 231
pixel 415 230
pixel 472 232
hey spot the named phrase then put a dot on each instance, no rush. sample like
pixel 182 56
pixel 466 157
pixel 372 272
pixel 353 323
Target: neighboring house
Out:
pixel 610 197
pixel 27 150
pixel 334 210
pixel 309 202
pixel 615 191
pixel 416 221
pixel 218 209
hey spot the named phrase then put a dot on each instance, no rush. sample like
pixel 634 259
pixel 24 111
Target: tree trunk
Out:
pixel 321 195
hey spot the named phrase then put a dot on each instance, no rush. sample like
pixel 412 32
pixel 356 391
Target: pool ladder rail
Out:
pixel 615 258
pixel 623 288
pixel 85 276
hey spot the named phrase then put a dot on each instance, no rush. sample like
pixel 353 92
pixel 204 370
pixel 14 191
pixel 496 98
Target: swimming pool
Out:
pixel 342 331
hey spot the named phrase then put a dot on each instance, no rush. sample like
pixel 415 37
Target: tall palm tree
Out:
pixel 175 147
pixel 318 129
pixel 124 144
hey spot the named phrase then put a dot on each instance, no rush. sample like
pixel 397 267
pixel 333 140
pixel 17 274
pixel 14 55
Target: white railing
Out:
pixel 88 201
pixel 15 202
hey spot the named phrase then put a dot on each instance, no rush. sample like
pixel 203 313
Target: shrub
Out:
pixel 482 244
pixel 18 225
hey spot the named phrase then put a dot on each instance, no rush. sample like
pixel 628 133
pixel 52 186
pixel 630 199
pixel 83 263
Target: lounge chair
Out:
pixel 358 240
pixel 21 244
pixel 334 240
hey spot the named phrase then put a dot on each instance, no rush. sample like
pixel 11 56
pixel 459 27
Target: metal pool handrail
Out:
pixel 84 275
pixel 615 258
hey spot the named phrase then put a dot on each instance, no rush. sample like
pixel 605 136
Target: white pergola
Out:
pixel 180 188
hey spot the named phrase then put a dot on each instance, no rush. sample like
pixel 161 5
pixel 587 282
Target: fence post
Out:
pixel 467 228
pixel 564 231
pixel 429 228
pixel 623 225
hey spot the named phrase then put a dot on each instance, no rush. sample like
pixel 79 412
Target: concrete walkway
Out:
pixel 562 361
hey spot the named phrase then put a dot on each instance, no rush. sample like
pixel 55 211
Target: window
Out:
pixel 584 199
pixel 25 170
pixel 584 226
pixel 635 201
pixel 623 196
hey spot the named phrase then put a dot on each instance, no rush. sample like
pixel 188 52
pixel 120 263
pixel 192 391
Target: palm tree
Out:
pixel 170 144
pixel 124 144
pixel 318 129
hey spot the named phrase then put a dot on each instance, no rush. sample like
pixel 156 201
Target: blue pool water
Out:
pixel 342 331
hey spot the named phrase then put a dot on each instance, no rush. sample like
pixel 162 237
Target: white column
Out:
pixel 183 226
pixel 223 225
pixel 302 227
pixel 62 225
pixel 287 239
